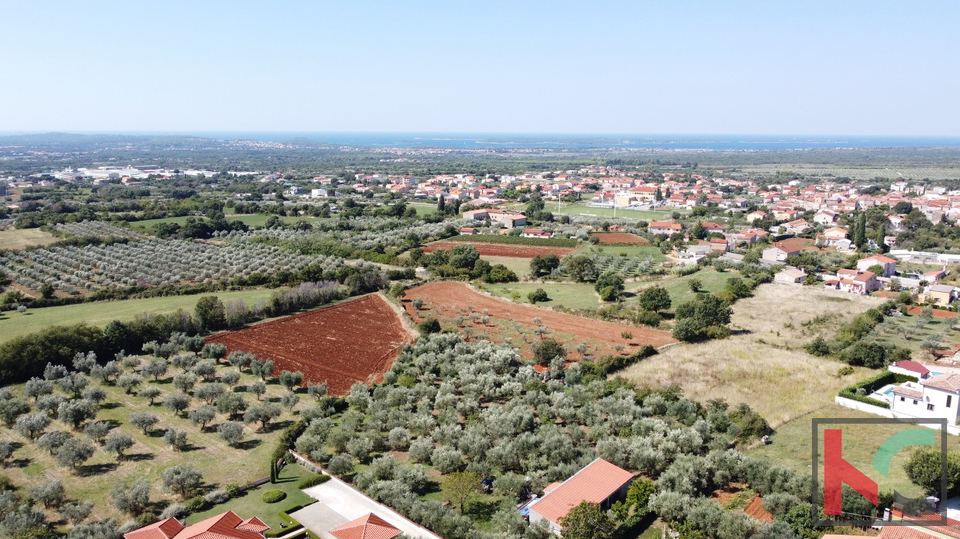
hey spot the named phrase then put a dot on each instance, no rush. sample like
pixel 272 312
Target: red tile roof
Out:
pixel 911 365
pixel 224 526
pixel 881 259
pixel 946 382
pixel 594 483
pixel 369 526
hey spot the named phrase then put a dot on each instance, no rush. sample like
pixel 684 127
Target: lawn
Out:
pixel 101 313
pixel 650 215
pixel 570 295
pixel 424 209
pixel 19 238
pixel 251 502
pixel 764 364
pixel 219 463
pixel 520 266
pixel 791 446
pixel 678 287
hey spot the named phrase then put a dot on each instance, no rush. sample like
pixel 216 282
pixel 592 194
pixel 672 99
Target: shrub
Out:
pixel 273 496
pixel 308 482
pixel 430 325
pixel 538 296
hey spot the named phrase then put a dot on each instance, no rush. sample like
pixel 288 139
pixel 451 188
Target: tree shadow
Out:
pixel 248 444
pixel 137 457
pixel 20 463
pixel 482 510
pixel 110 405
pixel 192 447
pixel 112 423
pixel 97 469
pixel 740 332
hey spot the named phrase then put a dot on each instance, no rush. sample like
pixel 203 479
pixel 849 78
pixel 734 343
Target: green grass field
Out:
pixel 520 266
pixel 912 331
pixel 14 324
pixel 679 287
pixel 424 209
pixel 18 238
pixel 657 215
pixel 570 295
pixel 252 220
pixel 251 502
pixel 791 446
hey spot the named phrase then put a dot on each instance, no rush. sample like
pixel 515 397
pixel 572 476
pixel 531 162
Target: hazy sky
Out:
pixel 632 66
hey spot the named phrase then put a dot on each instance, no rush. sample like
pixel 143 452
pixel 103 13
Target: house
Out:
pixel 831 237
pixel 223 526
pixel 779 252
pixel 369 526
pixel 853 281
pixel 790 275
pixel 825 217
pixel 756 216
pixel 536 233
pixel 467 231
pixel 719 245
pixel 664 227
pixel 936 396
pixel 940 294
pixel 508 219
pixel 934 276
pixel 797 226
pixel 599 482
pixel 910 368
pixel 713 228
pixel 888 264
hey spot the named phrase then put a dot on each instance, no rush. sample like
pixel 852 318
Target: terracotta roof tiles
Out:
pixel 594 483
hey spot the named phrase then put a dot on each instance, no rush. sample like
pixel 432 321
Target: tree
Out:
pixel 51 441
pixel 291 380
pixel 263 369
pixel 97 431
pixel 177 402
pixel 11 410
pixel 231 404
pixel 655 298
pixel 76 512
pixel 129 381
pixel 131 498
pixel 215 351
pixel 538 296
pixel 609 279
pixel 695 285
pixel 541 266
pixel 262 413
pixel 924 469
pixel 860 231
pixel 202 416
pixel 156 368
pixel 149 392
pixel 737 288
pixel 460 487
pixel 118 442
pixel 547 349
pixel 230 432
pixel 258 388
pixel 464 256
pixel 429 325
pixel 176 438
pixel 587 521
pixel 94 394
pixel 185 381
pixel 74 452
pixel 210 313
pixel 31 425
pixel 37 387
pixel 317 391
pixel 144 421
pixel 581 268
pixel 209 393
pixel 182 480
pixel 73 384
pixel 49 493
pixel 75 412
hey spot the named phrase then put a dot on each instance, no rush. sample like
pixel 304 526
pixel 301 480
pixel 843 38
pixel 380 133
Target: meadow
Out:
pixel 19 238
pixel 13 324
pixel 649 215
pixel 763 363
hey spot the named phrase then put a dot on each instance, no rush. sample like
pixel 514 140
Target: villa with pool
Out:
pixel 933 395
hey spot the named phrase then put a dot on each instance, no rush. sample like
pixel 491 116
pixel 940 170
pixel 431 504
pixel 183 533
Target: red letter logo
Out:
pixel 837 471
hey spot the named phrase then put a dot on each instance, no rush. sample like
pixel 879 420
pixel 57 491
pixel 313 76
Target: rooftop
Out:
pixel 594 483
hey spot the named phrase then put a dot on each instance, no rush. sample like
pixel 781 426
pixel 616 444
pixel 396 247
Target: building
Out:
pixel 779 252
pixel 888 264
pixel 940 294
pixel 599 482
pixel 936 396
pixel 790 275
pixel 223 526
pixel 508 219
pixel 536 233
pixel 369 526
pixel 910 368
pixel 664 227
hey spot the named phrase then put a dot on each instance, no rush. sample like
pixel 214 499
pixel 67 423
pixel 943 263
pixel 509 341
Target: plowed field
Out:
pixel 450 301
pixel 351 342
pixel 496 249
pixel 620 237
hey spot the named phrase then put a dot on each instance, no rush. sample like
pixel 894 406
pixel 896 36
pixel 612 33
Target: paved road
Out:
pixel 338 499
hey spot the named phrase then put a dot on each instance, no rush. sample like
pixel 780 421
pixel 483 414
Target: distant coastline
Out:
pixel 572 142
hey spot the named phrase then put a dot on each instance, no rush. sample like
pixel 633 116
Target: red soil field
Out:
pixel 448 300
pixel 355 341
pixel 620 237
pixel 937 313
pixel 497 249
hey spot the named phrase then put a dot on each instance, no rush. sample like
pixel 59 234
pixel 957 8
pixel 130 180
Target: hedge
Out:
pixel 872 384
pixel 283 531
pixel 273 496
pixel 515 240
pixel 609 364
pixel 308 482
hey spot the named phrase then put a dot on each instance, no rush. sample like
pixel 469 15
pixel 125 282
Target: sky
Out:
pixel 802 67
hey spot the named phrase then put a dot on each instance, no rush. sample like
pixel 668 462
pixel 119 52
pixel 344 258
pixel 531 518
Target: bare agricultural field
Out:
pixel 763 364
pixel 20 238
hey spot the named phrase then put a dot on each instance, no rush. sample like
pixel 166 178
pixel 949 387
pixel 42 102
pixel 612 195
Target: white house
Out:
pixel 888 264
pixel 790 275
pixel 935 397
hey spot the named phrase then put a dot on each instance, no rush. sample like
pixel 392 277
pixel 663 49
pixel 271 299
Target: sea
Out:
pixel 578 142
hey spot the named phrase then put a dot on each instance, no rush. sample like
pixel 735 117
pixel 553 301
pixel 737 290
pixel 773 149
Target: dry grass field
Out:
pixel 19 238
pixel 763 364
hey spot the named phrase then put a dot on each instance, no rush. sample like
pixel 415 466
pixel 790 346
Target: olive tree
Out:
pixel 144 421
pixel 118 442
pixel 131 498
pixel 230 432
pixel 181 479
pixel 74 452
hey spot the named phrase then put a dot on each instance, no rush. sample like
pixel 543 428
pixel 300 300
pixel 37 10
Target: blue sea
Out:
pixel 569 141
